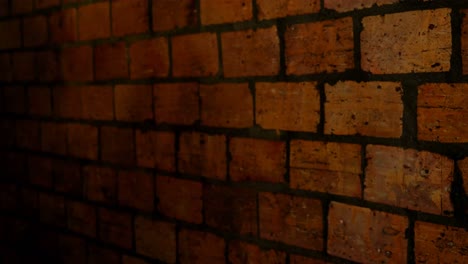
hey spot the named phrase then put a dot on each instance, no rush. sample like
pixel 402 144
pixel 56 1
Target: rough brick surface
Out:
pixel 218 12
pixel 111 61
pixel 345 5
pixel 132 260
pixel 268 9
pixel 62 25
pixel 68 178
pixel 21 6
pixel 97 254
pixel 39 101
pixel 23 66
pixel 199 247
pixel 169 14
pixel 82 141
pixel 133 102
pixel 117 145
pixel 416 41
pixel 176 103
pixel 296 259
pixel 100 184
pixel 136 190
pixel 155 150
pixel 54 137
pixel 10 33
pixel 40 171
pixel 81 218
pixel 129 17
pixel 49 69
pixel 52 209
pixel 94 21
pixel 240 252
pixel 46 3
pixel 418 180
pixel 77 63
pixel 35 31
pixel 149 58
pixel 115 228
pixel 155 239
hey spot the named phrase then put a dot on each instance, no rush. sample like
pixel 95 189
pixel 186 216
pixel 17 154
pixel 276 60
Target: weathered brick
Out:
pixel 111 61
pixel 35 31
pixel 441 108
pixel 136 190
pixel 48 65
pixel 251 53
pixel 21 6
pixel 27 134
pixel 241 252
pixel 176 103
pixel 326 167
pixel 40 171
pixel 361 235
pixel 180 199
pixel 54 137
pixel 100 184
pixel 417 180
pixel 155 239
pixel 415 41
pixel 52 209
pixel 287 106
pixel 10 33
pixel 169 14
pixel 77 63
pixel 149 58
pixel 257 160
pixel 8 133
pixel 203 155
pixel 67 101
pixel 463 166
pixel 116 228
pixel 226 105
pixel 46 3
pixel 268 9
pixel 200 247
pixel 117 145
pixel 71 249
pixel 67 177
pixel 97 102
pixel 28 203
pixel 133 102
pixel 82 141
pixel 39 101
pixel 81 218
pixel 218 12
pixel 129 17
pixel 296 259
pixel 23 66
pixel 99 255
pixel 345 5
pixel 62 26
pixel 94 21
pixel 6 71
pixel 155 149
pixel 291 220
pixel 195 55
pixel 368 109
pixel 14 99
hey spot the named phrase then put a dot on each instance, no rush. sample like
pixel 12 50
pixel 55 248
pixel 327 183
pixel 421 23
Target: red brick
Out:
pixel 240 252
pixel 464 41
pixel 39 101
pixel 117 145
pixel 368 109
pixel 129 17
pixel 180 199
pixel 326 167
pixel 268 9
pixel 10 34
pixel 97 102
pixel 155 149
pixel 415 41
pixel 440 244
pixel 155 239
pixel 35 31
pixel 67 101
pixel 40 171
pixel 63 26
pixel 23 66
pixel 27 134
pixel 94 21
pixel 287 106
pixel 296 259
pixel 218 12
pixel 132 260
pixel 77 63
pixel 136 190
pixel 230 209
pixel 82 141
pixel 67 177
pixel 81 218
pixel 251 52
pixel 133 102
pixel 325 46
pixel 116 228
pixel 6 71
pixel 149 58
pixel 441 108
pixel 345 5
pixel 257 160
pixel 47 65
pixel 46 3
pixel 417 180
pixel 111 61
pixel 291 220
pixel 54 138
pixel 14 97
pixel 371 235
pixel 52 209
pixel 100 184
pixel 71 249
pixel 463 165
pixel 203 155
pixel 176 103
pixel 226 105
pixel 169 14
pixel 195 55
pixel 199 247
pixel 99 255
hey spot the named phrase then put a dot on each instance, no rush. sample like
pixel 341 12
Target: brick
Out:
pixel 133 102
pixel 345 6
pixel 111 61
pixel 464 41
pixel 77 64
pixel 27 134
pixel 82 141
pixel 39 101
pixel 326 167
pixel 176 103
pixel 325 46
pixel 368 109
pixel 47 65
pixel 71 249
pixel 226 105
pixel 46 3
pixel 116 228
pixel 98 255
pixel 132 260
pixel 440 107
pixel 81 218
pixel 372 235
pixel 149 58
pixel 257 160
pixel 155 239
pixel 4 8
pixel 10 34
pixel 203 155
pixel 23 66
pixel 67 101
pixel 54 138
pixel 14 97
pixel 67 177
pixel 14 165
pixel 40 171
pixel 200 247
pixel 180 199
pixel 463 166
pixel 136 190
pixel 440 244
pixel 287 106
pixel 241 252
pixel 417 180
pixel 251 53
pixel 415 41
pixel 169 14
pixel 230 209
pixel 97 102
pixel 62 26
pixel 52 209
pixel 6 71
pixel 296 259
pixel 28 203
pixel 35 31
pixel 268 9
pixel 218 12
pixel 100 184
pixel 117 145
pixel 129 17
pixel 195 55
pixel 94 21
pixel 155 149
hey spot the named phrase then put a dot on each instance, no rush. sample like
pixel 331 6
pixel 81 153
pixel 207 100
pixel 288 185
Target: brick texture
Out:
pixel 110 61
pixel 117 145
pixel 240 252
pixel 149 58
pixel 35 32
pixel 77 64
pixel 463 165
pixel 94 21
pixel 136 190
pixel 176 103
pixel 133 102
pixel 218 12
pixel 115 228
pixel 344 6
pixel 10 33
pixel 155 150
pixel 268 9
pixel 100 184
pixel 155 239
pixel 169 14
pixel 199 247
pixel 129 17
pixel 62 25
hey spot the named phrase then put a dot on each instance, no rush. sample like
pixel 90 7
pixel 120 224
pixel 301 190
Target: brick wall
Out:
pixel 233 131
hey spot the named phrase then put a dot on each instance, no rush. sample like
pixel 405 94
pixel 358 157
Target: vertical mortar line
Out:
pixel 458 196
pixel 456 68
pixel 363 169
pixel 198 10
pixel 410 236
pixel 288 258
pixel 321 90
pixel 357 29
pixel 281 29
pixel 111 19
pixel 220 55
pixel 150 16
pixel 322 5
pixel 409 98
pixel 254 11
pixel 325 209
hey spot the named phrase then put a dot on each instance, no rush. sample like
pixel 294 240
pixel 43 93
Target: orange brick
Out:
pixel 10 34
pixel 35 31
pixel 441 108
pixel 227 11
pixel 23 66
pixel 155 149
pixel 100 184
pixel 226 105
pixel 345 5
pixel 203 155
pixel 133 102
pixel 39 101
pixel 67 177
pixel 129 17
pixel 40 171
pixel 136 190
pixel 169 14
pixel 82 141
pixel 326 167
pixel 111 61
pixel 371 235
pixel 291 220
pixel 240 252
pixel 155 239
pixel 416 41
pixel 81 218
pixel 251 53
pixel 62 26
pixel 21 6
pixel 268 9
pixel 116 228
pixel 77 63
pixel 318 47
pixel 117 145
pixel 200 247
pixel 368 109
pixel 54 137
pixel 463 165
pixel 180 199
pixel 94 21
pixel 46 3
pixel 47 65
pixel 417 180
pixel 257 160
pixel 97 102
pixel 149 58
pixel 287 106
pixel 176 103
